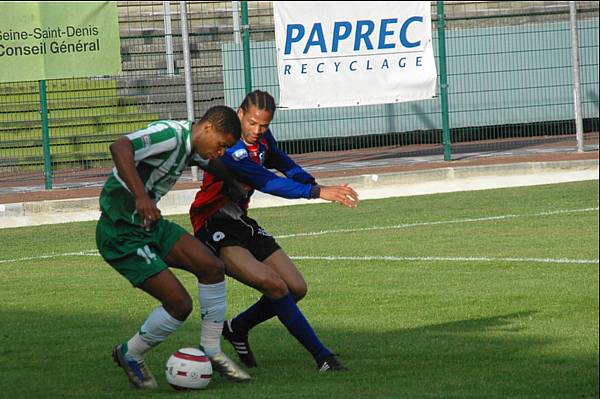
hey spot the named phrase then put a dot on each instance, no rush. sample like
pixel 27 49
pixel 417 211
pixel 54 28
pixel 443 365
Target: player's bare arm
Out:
pixel 233 188
pixel 122 154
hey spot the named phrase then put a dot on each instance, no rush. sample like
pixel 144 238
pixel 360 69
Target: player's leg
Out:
pixel 262 310
pixel 190 254
pixel 255 245
pixel 136 259
pixel 222 231
pixel 281 263
pixel 243 266
pixel 175 307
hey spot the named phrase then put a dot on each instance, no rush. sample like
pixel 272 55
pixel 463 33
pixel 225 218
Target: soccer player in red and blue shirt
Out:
pixel 250 254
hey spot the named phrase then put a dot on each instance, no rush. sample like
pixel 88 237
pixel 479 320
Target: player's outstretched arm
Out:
pixel 343 194
pixel 122 154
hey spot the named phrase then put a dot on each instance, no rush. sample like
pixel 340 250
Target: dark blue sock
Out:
pixel 292 318
pixel 261 311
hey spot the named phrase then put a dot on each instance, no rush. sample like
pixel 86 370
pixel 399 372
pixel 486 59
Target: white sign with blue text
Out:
pixel 334 54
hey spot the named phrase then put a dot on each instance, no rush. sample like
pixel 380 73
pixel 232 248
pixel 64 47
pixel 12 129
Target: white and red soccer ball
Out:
pixel 188 368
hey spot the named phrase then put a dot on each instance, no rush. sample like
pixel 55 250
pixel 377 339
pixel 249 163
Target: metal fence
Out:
pixel 508 71
pixel 509 82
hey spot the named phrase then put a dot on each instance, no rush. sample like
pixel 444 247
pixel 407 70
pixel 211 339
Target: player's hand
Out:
pixel 148 211
pixel 343 194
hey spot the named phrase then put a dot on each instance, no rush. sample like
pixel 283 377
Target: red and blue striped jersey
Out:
pixel 251 165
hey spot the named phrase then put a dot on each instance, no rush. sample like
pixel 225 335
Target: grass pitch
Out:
pixel 479 294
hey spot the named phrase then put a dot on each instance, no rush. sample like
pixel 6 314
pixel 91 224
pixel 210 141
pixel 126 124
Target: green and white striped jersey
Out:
pixel 162 151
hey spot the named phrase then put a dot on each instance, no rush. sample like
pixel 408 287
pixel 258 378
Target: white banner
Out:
pixel 333 54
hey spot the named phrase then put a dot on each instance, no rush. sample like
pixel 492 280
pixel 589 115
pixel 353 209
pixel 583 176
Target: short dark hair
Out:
pixel 261 100
pixel 224 120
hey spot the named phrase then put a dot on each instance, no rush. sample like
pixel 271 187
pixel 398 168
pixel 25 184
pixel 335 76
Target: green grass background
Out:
pixel 406 329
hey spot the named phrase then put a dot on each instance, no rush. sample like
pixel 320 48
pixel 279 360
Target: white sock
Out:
pixel 157 327
pixel 213 306
pixel 137 348
pixel 210 338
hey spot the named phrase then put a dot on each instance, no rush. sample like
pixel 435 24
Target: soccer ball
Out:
pixel 188 368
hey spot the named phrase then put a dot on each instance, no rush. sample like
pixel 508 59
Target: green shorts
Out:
pixel 134 252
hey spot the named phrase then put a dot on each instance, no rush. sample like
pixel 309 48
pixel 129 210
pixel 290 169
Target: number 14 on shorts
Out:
pixel 146 253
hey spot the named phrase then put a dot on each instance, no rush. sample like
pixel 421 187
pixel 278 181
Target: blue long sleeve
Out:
pixel 277 159
pixel 262 179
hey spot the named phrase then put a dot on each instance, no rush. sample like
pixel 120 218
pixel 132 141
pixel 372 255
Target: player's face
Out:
pixel 210 143
pixel 255 123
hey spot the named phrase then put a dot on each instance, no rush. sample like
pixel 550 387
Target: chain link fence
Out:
pixel 509 76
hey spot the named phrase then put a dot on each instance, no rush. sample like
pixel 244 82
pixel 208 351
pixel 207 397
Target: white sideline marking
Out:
pixel 449 259
pixel 393 258
pixel 82 253
pixel 406 225
pixel 367 258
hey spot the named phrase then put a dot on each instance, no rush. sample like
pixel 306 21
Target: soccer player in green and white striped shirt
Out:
pixel 133 238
